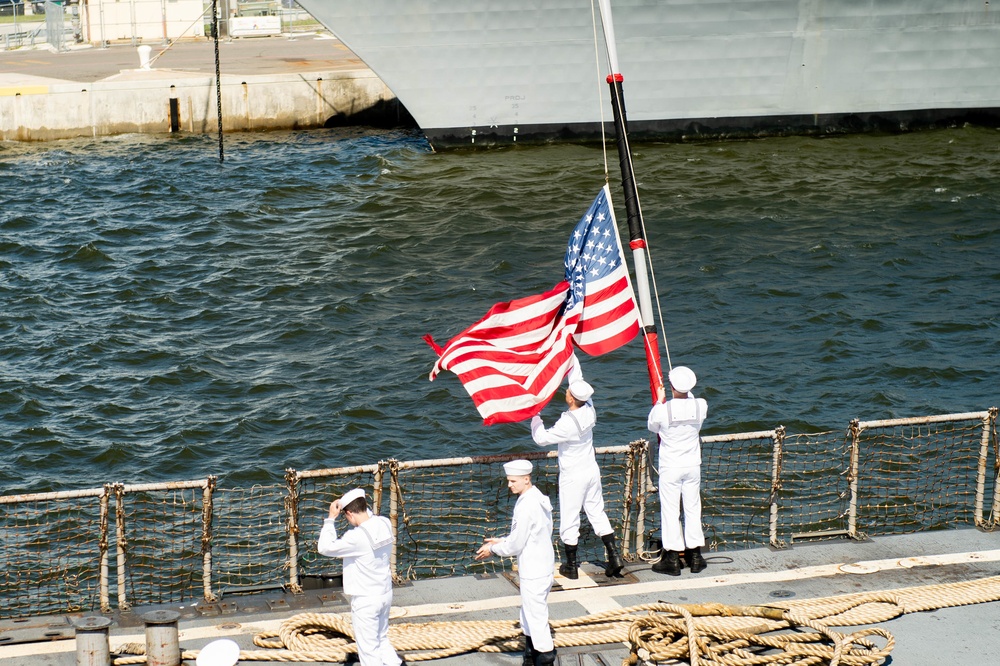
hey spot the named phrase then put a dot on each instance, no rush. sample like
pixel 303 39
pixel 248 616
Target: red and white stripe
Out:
pixel 512 361
pixel 610 317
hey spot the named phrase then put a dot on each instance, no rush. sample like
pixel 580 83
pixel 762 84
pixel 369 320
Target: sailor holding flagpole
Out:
pixel 677 422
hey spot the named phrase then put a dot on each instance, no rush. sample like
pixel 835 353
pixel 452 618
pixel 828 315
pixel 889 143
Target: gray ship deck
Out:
pixel 962 635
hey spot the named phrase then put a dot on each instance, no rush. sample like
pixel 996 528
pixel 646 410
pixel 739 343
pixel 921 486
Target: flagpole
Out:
pixel 637 240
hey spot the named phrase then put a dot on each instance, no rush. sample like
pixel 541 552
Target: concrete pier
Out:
pixel 267 83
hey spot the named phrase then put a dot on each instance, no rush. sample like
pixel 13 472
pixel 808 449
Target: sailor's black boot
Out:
pixel 669 563
pixel 569 567
pixel 613 569
pixel 694 560
pixel 545 658
pixel 529 652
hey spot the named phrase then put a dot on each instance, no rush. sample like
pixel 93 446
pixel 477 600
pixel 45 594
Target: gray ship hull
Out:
pixel 500 71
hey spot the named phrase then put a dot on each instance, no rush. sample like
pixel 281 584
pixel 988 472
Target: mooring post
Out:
pixel 92 640
pixel 162 640
pixel 174 111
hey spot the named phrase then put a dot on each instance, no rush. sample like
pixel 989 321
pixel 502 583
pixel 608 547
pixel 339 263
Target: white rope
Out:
pixel 600 97
pixel 652 281
pixel 652 275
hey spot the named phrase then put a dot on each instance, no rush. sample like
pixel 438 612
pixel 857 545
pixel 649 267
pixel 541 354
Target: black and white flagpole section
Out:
pixel 637 240
pixel 218 80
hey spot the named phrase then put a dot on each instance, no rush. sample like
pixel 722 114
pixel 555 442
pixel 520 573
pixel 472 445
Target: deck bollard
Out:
pixel 162 642
pixel 92 640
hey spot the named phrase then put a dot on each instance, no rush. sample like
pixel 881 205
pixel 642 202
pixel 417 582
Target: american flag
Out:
pixel 595 267
pixel 512 360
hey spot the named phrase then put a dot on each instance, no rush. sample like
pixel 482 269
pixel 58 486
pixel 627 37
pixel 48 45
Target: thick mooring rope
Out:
pixel 787 632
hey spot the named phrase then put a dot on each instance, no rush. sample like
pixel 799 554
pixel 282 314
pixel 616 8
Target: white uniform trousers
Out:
pixel 370 619
pixel 680 484
pixel 581 491
pixel 535 611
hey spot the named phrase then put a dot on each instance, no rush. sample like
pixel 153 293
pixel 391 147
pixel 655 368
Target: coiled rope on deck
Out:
pixel 787 632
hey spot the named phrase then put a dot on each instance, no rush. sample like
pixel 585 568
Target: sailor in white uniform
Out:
pixel 678 423
pixel 530 539
pixel 367 577
pixel 579 475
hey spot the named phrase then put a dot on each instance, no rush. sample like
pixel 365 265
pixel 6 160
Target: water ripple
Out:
pixel 167 317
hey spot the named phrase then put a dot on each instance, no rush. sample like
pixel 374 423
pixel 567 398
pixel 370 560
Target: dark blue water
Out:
pixel 164 316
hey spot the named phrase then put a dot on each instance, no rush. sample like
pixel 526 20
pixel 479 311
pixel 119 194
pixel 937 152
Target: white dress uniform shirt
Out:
pixel 678 423
pixel 365 550
pixel 530 537
pixel 574 435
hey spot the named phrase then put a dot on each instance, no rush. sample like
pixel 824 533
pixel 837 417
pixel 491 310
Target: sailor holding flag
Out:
pixel 513 360
pixel 579 475
pixel 677 422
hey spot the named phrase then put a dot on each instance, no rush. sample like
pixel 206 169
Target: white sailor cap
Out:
pixel 350 496
pixel 517 468
pixel 581 390
pixel 223 652
pixel 682 378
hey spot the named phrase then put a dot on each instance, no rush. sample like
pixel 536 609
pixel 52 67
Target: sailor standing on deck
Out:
pixel 367 578
pixel 530 539
pixel 579 475
pixel 678 423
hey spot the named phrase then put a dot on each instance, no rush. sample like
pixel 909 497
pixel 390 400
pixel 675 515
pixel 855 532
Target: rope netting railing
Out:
pixel 447 508
pixel 445 511
pixel 736 489
pixel 918 474
pixel 249 539
pixel 815 487
pixel 163 537
pixel 53 547
pixel 128 545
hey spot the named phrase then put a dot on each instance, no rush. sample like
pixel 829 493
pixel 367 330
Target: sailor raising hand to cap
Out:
pixel 677 421
pixel 367 577
pixel 579 475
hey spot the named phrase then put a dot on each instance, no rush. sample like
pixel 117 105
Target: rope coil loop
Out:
pixel 790 633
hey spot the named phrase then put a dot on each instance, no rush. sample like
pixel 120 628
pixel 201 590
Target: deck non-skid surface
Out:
pixel 957 635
